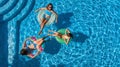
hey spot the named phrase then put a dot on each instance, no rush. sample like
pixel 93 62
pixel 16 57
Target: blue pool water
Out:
pixel 95 25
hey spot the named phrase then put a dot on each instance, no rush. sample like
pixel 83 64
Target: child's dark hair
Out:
pixel 23 52
pixel 51 5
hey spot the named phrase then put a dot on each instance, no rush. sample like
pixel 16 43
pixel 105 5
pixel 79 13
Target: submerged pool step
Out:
pixel 8 6
pixel 23 13
pixel 16 11
pixel 3 2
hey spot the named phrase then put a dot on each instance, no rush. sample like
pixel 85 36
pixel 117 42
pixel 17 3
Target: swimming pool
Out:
pixel 95 25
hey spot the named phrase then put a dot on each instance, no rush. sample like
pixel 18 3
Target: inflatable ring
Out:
pixel 40 17
pixel 60 40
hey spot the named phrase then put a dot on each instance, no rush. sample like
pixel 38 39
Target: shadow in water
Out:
pixel 64 20
pixel 31 63
pixel 79 37
pixel 3 42
pixel 61 65
pixel 52 47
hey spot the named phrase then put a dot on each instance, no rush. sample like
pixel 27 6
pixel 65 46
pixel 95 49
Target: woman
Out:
pixel 32 47
pixel 65 36
pixel 48 12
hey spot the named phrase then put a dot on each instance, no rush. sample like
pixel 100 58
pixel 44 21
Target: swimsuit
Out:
pixel 32 52
pixel 29 42
pixel 47 13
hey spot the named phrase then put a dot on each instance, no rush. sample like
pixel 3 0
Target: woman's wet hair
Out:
pixel 24 52
pixel 70 35
pixel 51 6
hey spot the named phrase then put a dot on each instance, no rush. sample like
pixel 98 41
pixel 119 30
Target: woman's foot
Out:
pixel 49 34
pixel 39 32
pixel 49 31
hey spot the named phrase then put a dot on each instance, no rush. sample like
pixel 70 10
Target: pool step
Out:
pixel 25 12
pixel 16 11
pixel 3 2
pixel 8 6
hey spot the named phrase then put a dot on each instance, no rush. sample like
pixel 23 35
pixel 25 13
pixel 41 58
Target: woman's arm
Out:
pixel 30 39
pixel 33 56
pixel 51 31
pixel 67 31
pixel 40 9
pixel 56 15
pixel 24 45
pixel 67 41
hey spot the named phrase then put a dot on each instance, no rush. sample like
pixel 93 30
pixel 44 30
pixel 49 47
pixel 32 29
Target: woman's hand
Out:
pixel 56 15
pixel 56 20
pixel 37 10
pixel 34 55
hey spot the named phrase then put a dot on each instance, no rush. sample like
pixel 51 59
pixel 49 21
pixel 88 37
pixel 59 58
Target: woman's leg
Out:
pixel 38 40
pixel 51 31
pixel 42 26
pixel 54 34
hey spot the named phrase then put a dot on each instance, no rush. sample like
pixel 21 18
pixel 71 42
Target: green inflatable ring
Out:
pixel 60 40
